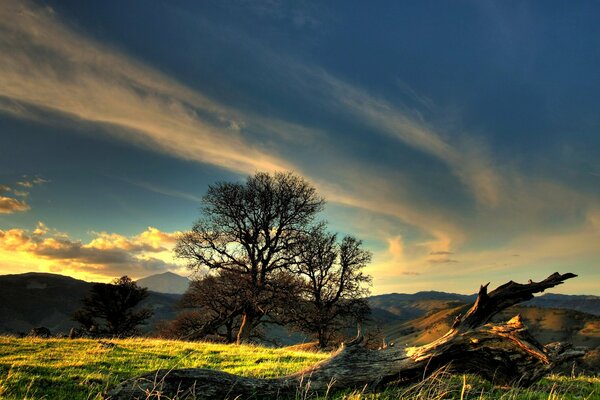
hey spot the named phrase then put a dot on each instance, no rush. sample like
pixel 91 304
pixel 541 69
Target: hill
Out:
pixel 584 303
pixel 403 307
pixel 39 299
pixel 167 282
pixel 545 324
pixel 83 368
pixel 416 319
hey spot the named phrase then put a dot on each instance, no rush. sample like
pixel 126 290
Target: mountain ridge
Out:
pixel 43 299
pixel 166 282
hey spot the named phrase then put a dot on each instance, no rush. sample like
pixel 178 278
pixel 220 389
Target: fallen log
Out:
pixel 504 353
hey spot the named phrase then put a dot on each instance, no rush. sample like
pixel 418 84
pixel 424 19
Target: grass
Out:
pixel 83 368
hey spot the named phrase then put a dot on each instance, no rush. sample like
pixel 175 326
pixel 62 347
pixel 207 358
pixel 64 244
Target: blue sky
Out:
pixel 459 140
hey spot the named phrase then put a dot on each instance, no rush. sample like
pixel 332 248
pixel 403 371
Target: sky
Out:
pixel 459 140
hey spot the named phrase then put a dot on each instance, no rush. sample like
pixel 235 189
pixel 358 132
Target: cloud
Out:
pixel 151 240
pixel 396 247
pixel 52 67
pixel 442 261
pixel 165 191
pixel 49 66
pixel 40 229
pixel 106 256
pixel 467 159
pixel 31 182
pixel 9 205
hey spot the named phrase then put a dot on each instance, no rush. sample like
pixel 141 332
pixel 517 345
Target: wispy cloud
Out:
pixel 442 261
pixel 49 66
pixel 52 67
pixel 164 190
pixel 467 159
pixel 440 253
pixel 28 182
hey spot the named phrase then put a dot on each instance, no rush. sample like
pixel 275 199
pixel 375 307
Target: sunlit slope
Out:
pixel 546 324
pixel 82 368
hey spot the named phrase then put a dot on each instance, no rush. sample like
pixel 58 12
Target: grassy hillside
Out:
pixel 82 369
pixel 545 324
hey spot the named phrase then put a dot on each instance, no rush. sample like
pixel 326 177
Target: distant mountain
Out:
pixel 38 299
pixel 167 282
pixel 404 307
pixel 583 303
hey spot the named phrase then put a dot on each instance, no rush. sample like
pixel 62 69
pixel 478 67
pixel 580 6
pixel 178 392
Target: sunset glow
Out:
pixel 461 145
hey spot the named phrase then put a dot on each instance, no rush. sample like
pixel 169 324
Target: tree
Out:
pixel 333 295
pixel 251 229
pixel 211 307
pixel 504 353
pixel 110 308
pixel 213 304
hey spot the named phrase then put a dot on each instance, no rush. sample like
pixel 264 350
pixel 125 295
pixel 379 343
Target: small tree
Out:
pixel 333 295
pixel 251 229
pixel 211 307
pixel 110 308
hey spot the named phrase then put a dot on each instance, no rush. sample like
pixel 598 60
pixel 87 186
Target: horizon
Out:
pixel 460 153
pixel 371 295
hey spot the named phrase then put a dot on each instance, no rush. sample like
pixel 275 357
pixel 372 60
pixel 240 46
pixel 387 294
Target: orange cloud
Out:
pixel 106 256
pixel 151 240
pixel 9 205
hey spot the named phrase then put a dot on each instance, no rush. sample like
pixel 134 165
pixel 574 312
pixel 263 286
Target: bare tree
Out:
pixel 333 294
pixel 112 308
pixel 211 308
pixel 251 229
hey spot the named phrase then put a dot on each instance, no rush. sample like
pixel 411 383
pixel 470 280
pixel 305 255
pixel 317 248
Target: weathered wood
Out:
pixel 503 353
pixel 509 294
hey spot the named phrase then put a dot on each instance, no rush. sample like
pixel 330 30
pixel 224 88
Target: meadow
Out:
pixel 33 368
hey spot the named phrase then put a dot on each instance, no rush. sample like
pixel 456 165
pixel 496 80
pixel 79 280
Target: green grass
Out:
pixel 83 368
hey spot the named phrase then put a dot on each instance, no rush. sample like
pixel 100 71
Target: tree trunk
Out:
pixel 503 353
pixel 321 339
pixel 242 331
pixel 245 327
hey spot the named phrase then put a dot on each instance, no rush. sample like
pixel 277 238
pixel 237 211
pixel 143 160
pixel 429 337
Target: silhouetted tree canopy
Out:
pixel 111 308
pixel 213 306
pixel 251 229
pixel 334 289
